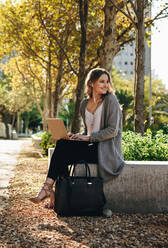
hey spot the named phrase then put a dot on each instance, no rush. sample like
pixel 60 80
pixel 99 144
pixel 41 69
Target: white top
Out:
pixel 93 120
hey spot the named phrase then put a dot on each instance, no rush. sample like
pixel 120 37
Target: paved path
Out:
pixel 9 152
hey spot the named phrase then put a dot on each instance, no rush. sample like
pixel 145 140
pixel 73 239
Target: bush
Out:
pixel 149 147
pixel 47 142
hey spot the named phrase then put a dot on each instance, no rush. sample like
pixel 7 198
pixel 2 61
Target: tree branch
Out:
pixel 124 13
pixel 31 92
pixel 125 31
pixel 35 76
pixel 56 39
pixel 157 17
pixel 127 41
pixel 91 65
pixel 133 6
pixel 27 45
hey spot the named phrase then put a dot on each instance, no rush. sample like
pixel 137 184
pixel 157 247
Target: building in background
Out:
pixel 125 60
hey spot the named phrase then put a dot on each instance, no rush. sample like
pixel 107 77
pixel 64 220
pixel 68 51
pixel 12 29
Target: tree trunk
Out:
pixel 49 83
pixel 56 95
pixel 124 113
pixel 110 46
pixel 13 120
pixel 45 113
pixel 83 13
pixel 18 123
pixel 139 70
pixel 27 123
pixel 7 129
pixel 61 59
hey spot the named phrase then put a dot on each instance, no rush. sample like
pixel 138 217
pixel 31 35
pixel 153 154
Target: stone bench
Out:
pixel 36 142
pixel 142 187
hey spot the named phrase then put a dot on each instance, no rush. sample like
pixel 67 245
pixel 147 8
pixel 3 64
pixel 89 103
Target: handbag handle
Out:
pixel 87 169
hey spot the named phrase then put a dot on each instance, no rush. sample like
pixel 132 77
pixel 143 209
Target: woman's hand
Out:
pixel 79 136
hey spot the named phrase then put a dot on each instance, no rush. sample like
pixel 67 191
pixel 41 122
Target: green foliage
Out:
pixel 66 112
pixel 47 142
pixel 35 119
pixel 150 147
pixel 4 80
pixel 165 129
pixel 125 92
pixel 159 104
pixel 126 98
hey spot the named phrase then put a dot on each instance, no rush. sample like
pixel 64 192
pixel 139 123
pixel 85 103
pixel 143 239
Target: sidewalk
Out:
pixel 9 153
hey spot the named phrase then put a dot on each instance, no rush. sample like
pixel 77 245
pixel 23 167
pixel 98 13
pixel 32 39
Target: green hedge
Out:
pixel 150 147
pixel 145 148
pixel 47 142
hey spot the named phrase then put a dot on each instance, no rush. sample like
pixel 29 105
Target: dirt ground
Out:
pixel 23 224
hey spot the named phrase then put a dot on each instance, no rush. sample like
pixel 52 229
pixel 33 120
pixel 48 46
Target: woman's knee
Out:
pixel 60 142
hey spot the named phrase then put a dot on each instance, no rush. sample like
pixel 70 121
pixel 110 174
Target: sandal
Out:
pixel 50 204
pixel 44 193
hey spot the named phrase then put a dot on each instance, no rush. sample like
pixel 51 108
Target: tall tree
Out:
pixel 14 101
pixel 58 26
pixel 109 46
pixel 135 11
pixel 83 13
pixel 139 9
pixel 117 31
pixel 36 46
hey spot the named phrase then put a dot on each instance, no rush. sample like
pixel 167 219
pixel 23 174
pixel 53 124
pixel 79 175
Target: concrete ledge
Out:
pixel 142 187
pixel 36 142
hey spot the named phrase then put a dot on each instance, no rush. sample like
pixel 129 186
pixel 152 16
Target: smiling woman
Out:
pixel 101 141
pixel 97 90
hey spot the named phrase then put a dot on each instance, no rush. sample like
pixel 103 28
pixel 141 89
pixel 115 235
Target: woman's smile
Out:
pixel 101 85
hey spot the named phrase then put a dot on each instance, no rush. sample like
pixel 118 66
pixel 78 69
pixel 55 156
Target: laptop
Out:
pixel 57 128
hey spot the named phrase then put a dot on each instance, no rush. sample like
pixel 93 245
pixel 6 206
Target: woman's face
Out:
pixel 101 86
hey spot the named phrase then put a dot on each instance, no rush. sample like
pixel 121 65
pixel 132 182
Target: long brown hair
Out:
pixel 93 76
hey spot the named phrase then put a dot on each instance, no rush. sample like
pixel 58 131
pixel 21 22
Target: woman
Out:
pixel 101 141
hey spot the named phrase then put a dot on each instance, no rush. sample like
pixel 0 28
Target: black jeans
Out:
pixel 68 152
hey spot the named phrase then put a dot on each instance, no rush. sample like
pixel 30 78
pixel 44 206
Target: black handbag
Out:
pixel 79 196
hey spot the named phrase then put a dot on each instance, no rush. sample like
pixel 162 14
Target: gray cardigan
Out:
pixel 110 157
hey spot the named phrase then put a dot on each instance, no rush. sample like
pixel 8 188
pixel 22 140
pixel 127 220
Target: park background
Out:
pixel 25 47
pixel 47 48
